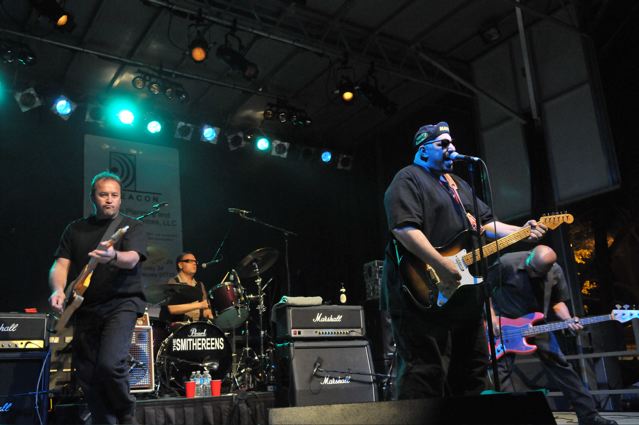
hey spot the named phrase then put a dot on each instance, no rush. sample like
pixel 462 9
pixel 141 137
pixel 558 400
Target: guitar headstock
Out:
pixel 119 233
pixel 552 221
pixel 624 315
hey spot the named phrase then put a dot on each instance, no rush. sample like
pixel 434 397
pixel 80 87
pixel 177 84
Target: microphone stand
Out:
pixel 285 233
pixel 483 271
pixel 153 211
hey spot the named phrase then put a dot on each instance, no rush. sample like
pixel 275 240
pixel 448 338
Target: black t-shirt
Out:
pixel 110 286
pixel 519 294
pixel 417 198
pixel 187 294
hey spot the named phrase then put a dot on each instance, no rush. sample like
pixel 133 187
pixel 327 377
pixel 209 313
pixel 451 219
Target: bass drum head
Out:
pixel 195 347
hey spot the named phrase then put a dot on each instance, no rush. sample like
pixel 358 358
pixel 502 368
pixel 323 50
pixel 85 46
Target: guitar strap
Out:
pixel 452 189
pixel 547 290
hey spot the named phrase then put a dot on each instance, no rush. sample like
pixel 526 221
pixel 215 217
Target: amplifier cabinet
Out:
pixel 319 322
pixel 324 372
pixel 141 372
pixel 22 331
pixel 23 387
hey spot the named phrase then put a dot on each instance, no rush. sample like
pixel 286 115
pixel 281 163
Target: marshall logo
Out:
pixel 321 318
pixel 193 333
pixel 6 407
pixel 10 328
pixel 336 381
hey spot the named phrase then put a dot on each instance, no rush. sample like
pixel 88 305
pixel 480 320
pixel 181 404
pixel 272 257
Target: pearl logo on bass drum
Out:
pixel 197 340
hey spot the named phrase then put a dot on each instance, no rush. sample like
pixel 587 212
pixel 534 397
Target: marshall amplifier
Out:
pixel 322 321
pixel 24 387
pixel 21 331
pixel 324 372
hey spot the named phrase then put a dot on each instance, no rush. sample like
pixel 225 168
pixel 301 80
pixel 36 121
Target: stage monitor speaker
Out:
pixel 24 382
pixel 499 409
pixel 141 372
pixel 324 372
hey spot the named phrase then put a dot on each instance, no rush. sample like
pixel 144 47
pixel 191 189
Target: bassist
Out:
pixel 530 282
pixel 103 325
pixel 437 353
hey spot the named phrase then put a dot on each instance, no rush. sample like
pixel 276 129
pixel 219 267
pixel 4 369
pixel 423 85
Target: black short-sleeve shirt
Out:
pixel 109 285
pixel 517 294
pixel 186 294
pixel 417 198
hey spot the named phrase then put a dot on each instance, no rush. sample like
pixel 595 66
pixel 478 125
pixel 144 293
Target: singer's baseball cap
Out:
pixel 431 133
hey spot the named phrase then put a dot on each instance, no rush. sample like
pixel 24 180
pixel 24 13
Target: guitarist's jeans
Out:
pixel 100 352
pixel 559 371
pixel 437 358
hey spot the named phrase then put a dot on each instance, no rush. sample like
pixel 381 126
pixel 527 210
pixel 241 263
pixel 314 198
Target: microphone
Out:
pixel 212 365
pixel 161 204
pixel 316 366
pixel 208 263
pixel 463 158
pixel 238 211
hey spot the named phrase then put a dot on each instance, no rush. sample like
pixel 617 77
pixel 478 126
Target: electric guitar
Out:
pixel 81 283
pixel 423 286
pixel 514 332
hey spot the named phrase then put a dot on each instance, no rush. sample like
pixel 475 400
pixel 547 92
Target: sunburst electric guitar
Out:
pixel 421 282
pixel 81 283
pixel 514 332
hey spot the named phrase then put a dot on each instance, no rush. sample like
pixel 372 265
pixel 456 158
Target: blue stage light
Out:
pixel 326 156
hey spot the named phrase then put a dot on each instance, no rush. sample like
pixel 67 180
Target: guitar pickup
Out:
pixel 433 275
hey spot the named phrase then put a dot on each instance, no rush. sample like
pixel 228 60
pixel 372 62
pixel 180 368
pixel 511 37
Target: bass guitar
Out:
pixel 423 286
pixel 514 332
pixel 81 283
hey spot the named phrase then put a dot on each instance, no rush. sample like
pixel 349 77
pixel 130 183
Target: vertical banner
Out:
pixel 150 175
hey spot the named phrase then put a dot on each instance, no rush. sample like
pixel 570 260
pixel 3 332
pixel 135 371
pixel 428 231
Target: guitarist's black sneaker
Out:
pixel 596 419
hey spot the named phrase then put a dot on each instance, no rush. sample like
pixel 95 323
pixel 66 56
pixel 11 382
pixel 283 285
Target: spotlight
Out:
pixel 95 113
pixel 209 134
pixel 236 141
pixel 307 154
pixel 153 124
pixel 263 144
pixel 14 52
pixel 280 148
pixel 181 95
pixel 63 107
pixel 139 81
pixel 60 18
pixel 155 87
pixel 326 157
pixel 199 48
pixel 126 116
pixel 283 117
pixel 27 99
pixel 346 90
pixel 344 162
pixel 377 98
pixel 269 113
pixel 237 62
pixel 183 131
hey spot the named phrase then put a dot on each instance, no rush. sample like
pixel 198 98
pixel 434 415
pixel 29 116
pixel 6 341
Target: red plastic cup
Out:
pixel 216 387
pixel 189 386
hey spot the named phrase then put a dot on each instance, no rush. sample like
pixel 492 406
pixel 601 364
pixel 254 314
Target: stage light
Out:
pixel 154 126
pixel 307 154
pixel 181 95
pixel 209 133
pixel 344 162
pixel 371 91
pixel 199 48
pixel 139 82
pixel 60 18
pixel 155 87
pixel 63 107
pixel 280 148
pixel 15 52
pixel 126 116
pixel 346 90
pixel 326 157
pixel 283 117
pixel 263 144
pixel 236 140
pixel 183 131
pixel 95 113
pixel 269 113
pixel 237 62
pixel 27 99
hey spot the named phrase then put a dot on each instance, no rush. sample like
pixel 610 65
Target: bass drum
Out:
pixel 195 347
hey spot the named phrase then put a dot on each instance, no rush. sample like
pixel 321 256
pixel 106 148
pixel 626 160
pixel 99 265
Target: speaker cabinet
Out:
pixel 324 372
pixel 141 372
pixel 24 382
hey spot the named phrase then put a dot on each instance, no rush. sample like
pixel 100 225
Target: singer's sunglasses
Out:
pixel 189 261
pixel 444 143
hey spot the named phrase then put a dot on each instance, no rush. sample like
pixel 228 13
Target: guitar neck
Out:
pixel 491 248
pixel 556 326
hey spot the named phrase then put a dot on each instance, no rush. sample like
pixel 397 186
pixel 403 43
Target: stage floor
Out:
pixel 622 418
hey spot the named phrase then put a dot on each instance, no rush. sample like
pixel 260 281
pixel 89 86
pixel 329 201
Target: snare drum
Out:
pixel 194 347
pixel 229 304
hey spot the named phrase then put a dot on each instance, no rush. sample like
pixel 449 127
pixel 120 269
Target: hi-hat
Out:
pixel 257 261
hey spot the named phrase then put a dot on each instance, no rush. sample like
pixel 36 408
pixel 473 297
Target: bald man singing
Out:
pixel 530 282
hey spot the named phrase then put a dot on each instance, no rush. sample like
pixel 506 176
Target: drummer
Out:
pixel 188 304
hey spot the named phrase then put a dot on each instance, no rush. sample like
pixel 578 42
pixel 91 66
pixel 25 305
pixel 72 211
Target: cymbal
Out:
pixel 158 293
pixel 264 258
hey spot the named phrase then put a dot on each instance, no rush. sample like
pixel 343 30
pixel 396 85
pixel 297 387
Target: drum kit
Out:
pixel 183 348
